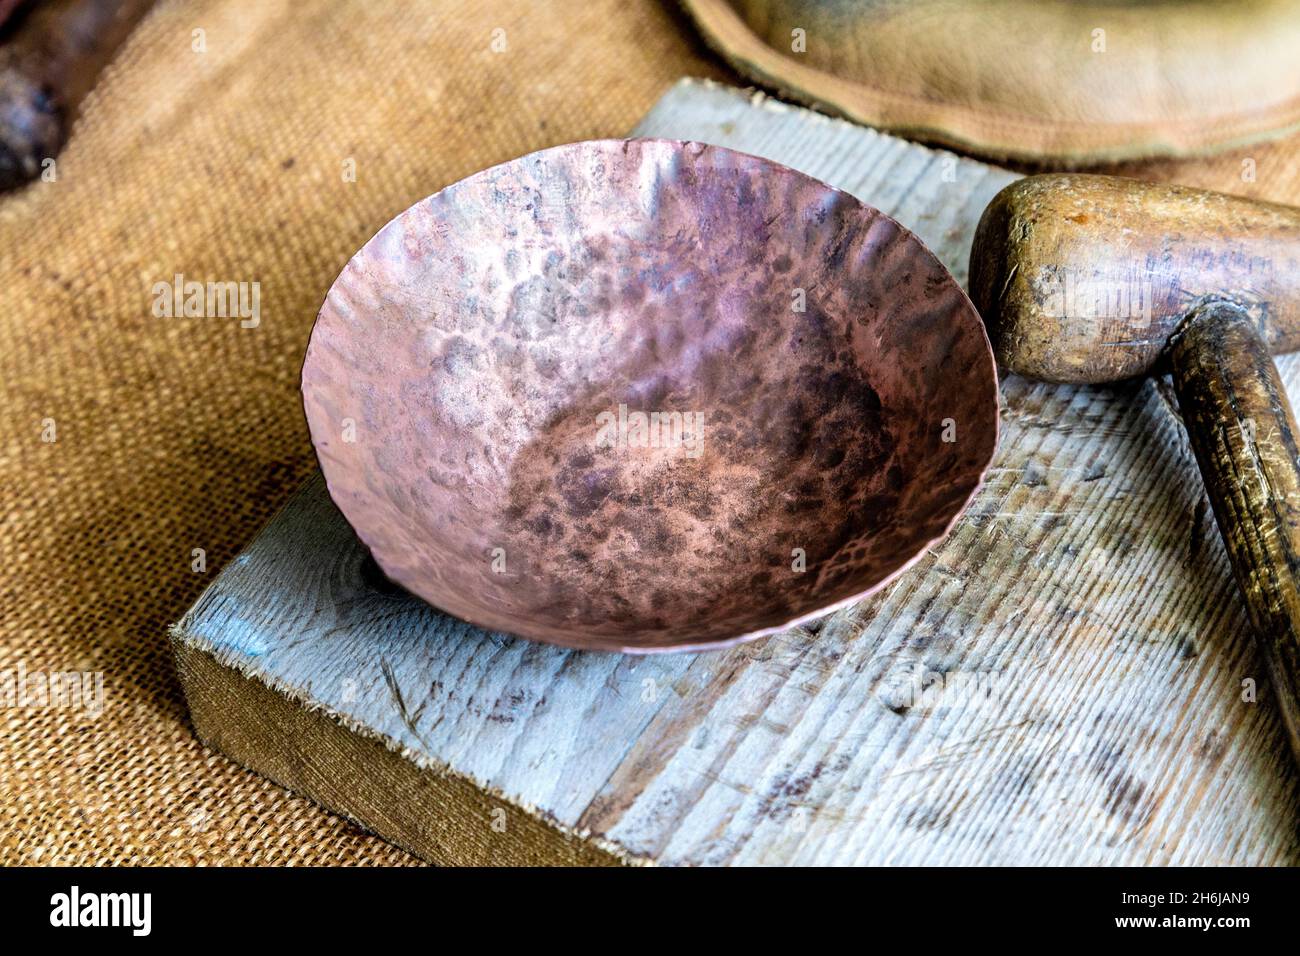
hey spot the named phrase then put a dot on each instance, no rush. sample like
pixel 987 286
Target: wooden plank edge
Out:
pixel 432 811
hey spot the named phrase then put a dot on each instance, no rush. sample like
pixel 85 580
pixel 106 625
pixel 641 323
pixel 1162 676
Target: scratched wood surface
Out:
pixel 1065 680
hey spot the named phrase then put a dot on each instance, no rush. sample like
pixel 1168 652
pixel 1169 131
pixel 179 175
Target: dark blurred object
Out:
pixel 51 54
pixel 7 7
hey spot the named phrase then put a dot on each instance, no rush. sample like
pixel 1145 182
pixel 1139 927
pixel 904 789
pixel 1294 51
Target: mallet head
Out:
pixel 1084 278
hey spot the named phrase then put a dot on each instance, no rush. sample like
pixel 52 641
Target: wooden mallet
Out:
pixel 1092 279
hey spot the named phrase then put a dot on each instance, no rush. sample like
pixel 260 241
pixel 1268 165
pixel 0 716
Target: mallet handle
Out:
pixel 1084 278
pixel 1244 435
pixel 51 55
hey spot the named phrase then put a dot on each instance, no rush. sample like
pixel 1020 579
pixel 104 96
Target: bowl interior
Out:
pixel 644 394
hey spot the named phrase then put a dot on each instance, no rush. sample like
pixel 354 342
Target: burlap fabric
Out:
pixel 230 164
pixel 175 434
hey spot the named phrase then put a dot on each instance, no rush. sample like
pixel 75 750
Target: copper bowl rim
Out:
pixel 745 636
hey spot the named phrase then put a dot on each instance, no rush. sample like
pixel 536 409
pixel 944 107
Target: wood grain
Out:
pixel 1079 640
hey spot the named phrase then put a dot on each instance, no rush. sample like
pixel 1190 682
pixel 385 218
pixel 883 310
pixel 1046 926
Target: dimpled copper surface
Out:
pixel 458 371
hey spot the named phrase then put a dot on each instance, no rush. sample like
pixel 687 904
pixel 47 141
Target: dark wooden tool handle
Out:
pixel 1244 435
pixel 51 54
pixel 1084 278
pixel 6 8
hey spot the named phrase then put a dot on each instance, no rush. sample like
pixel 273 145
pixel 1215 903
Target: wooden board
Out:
pixel 1060 681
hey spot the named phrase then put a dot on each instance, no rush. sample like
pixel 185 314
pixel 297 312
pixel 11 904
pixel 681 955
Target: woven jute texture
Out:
pixel 232 163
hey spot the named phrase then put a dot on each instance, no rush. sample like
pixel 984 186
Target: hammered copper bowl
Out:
pixel 474 377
